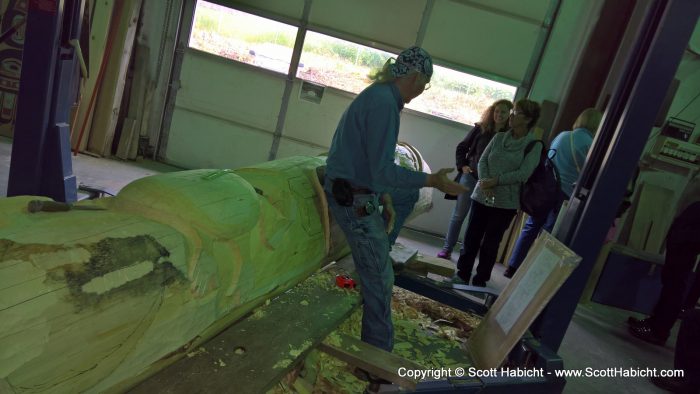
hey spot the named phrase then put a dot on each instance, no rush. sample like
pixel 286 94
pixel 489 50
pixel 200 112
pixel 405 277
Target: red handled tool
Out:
pixel 345 281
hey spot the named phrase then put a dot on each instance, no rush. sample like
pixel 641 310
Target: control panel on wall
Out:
pixel 676 151
pixel 678 128
pixel 680 150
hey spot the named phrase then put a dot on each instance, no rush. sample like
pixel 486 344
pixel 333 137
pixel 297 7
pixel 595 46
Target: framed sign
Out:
pixel 548 264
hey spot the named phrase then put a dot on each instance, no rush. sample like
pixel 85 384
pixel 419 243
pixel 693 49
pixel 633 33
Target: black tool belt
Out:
pixel 344 192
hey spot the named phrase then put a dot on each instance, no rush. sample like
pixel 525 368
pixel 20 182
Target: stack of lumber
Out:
pixel 113 30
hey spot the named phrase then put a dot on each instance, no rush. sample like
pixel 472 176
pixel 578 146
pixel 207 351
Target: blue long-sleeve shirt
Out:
pixel 564 159
pixel 364 143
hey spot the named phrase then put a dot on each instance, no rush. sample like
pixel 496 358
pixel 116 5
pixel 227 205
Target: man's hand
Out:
pixel 440 181
pixel 489 183
pixel 466 170
pixel 389 213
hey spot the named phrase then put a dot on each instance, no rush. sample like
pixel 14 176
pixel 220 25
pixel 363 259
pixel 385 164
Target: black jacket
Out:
pixel 469 151
pixel 685 228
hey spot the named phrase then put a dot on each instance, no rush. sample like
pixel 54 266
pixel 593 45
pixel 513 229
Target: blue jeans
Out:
pixel 459 212
pixel 531 229
pixel 370 251
pixel 403 201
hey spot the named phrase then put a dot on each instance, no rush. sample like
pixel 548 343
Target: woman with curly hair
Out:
pixel 507 162
pixel 468 153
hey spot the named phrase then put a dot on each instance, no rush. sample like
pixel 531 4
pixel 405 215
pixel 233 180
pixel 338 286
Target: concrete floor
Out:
pixel 110 175
pixel 597 336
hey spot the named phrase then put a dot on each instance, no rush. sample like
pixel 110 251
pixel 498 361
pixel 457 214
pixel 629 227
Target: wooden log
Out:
pixel 91 300
pixel 169 262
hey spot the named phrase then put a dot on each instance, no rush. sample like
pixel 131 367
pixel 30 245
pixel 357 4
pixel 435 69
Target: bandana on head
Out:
pixel 413 58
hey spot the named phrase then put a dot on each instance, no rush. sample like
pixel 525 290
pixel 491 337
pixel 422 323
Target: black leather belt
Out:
pixel 362 190
pixel 344 194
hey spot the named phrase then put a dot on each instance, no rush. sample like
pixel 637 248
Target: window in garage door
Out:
pixel 242 37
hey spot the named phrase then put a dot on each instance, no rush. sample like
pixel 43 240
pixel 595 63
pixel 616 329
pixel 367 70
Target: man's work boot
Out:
pixel 638 323
pixel 646 333
pixel 674 385
pixel 368 377
pixel 509 272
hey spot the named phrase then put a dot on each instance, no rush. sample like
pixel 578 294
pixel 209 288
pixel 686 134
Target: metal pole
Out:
pixel 184 28
pixel 538 51
pixel 616 151
pixel 289 82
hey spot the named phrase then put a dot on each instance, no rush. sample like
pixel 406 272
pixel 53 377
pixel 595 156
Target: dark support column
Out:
pixel 616 150
pixel 41 163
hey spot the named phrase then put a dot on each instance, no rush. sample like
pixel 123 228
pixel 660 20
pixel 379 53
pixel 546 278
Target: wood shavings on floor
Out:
pixel 425 331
